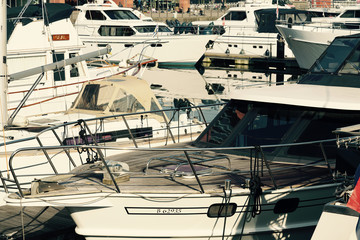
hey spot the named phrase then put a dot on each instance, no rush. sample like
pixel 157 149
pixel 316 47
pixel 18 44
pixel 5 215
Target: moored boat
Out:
pixel 101 23
pixel 263 168
pixel 309 41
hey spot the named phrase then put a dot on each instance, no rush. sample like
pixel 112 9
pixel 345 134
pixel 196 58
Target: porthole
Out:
pixel 156 45
pixel 221 210
pixel 286 205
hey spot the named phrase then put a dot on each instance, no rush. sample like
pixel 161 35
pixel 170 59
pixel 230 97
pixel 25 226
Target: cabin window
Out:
pixel 224 125
pixel 236 16
pixel 151 28
pixel 286 205
pixel 348 14
pixel 121 14
pixel 115 31
pixel 221 210
pixel 95 97
pixel 74 70
pixel 126 103
pixel 250 125
pixel 59 74
pixel 94 15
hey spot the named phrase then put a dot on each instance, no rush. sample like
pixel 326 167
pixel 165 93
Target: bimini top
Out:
pixel 116 95
pixel 333 82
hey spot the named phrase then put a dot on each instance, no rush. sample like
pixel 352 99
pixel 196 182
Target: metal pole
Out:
pixel 193 169
pixel 3 69
pixel 101 156
pixel 130 133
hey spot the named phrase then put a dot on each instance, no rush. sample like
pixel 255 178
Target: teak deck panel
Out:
pixel 85 178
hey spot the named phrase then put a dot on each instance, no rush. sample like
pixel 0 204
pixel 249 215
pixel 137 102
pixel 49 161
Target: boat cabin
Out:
pixel 325 99
pixel 349 18
pixel 111 20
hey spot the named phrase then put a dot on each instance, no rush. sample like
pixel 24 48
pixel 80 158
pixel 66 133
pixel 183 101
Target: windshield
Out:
pixel 121 14
pixel 242 124
pixel 335 55
pixel 126 103
pixel 95 97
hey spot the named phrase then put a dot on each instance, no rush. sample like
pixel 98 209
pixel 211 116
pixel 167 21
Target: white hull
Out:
pixel 167 49
pixel 184 216
pixel 337 221
pixel 308 43
pixel 249 43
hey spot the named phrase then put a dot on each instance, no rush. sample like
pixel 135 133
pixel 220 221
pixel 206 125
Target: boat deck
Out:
pixel 169 172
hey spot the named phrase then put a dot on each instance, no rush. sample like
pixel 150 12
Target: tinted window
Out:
pixel 116 31
pixel 94 15
pixel 242 124
pixel 335 55
pixel 236 16
pixel 348 14
pixel 59 74
pixel 74 71
pixel 120 14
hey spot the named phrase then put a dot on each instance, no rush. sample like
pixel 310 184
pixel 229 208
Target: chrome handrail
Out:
pixel 185 150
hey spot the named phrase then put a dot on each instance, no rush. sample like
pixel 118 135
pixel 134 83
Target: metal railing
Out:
pixel 258 160
pixel 134 135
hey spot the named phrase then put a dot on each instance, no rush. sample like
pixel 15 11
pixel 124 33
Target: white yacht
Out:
pixel 262 169
pixel 309 41
pixel 99 24
pixel 250 29
pixel 118 111
pixel 124 111
pixel 32 43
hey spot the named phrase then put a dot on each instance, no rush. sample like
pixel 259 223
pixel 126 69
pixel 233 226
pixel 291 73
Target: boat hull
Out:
pixel 249 43
pixel 171 50
pixel 154 216
pixel 337 221
pixel 308 43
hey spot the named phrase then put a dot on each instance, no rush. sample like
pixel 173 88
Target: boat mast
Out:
pixel 3 69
